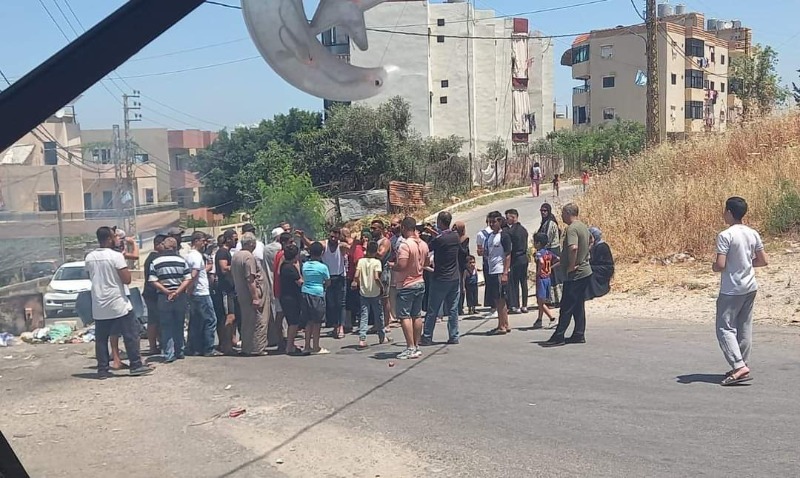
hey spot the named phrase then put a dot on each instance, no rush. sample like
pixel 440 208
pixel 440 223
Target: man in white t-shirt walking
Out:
pixel 739 250
pixel 111 309
pixel 202 319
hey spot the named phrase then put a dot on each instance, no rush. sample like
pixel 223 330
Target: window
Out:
pixel 695 47
pixel 101 155
pixel 108 200
pixel 712 86
pixel 722 87
pixel 440 38
pixel 608 113
pixel 722 59
pixel 580 54
pixel 48 203
pixel 442 100
pixel 141 158
pixel 50 153
pixel 608 81
pixel 694 110
pixel 440 22
pixel 706 84
pixel 579 115
pixel 445 83
pixel 87 201
pixel 694 79
pixel 674 78
pixel 606 51
pixel 148 196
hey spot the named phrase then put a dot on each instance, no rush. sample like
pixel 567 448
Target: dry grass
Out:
pixel 670 199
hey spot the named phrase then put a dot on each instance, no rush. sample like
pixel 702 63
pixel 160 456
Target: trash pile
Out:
pixel 59 334
pixel 6 339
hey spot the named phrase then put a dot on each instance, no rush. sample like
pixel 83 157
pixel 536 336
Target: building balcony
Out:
pixel 580 71
pixel 694 94
pixel 580 90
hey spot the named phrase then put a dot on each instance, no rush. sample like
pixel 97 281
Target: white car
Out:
pixel 62 293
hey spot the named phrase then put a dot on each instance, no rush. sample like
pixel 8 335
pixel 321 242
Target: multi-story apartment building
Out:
pixel 695 91
pixel 183 146
pixel 464 71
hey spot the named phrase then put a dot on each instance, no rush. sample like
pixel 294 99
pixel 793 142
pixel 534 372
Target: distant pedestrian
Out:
pixel 111 308
pixel 471 285
pixel 378 230
pixel 291 297
pixel 316 278
pixel 412 258
pixel 444 281
pixel 585 179
pixel 171 276
pixel 518 278
pixel 739 250
pixel 249 280
pixel 556 185
pixel 575 267
pixel 498 248
pixel 536 179
pixel 545 262
pixel 202 319
pixel 367 280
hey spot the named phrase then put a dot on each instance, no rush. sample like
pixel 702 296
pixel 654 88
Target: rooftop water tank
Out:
pixel 737 24
pixel 711 24
pixel 724 25
pixel 680 9
pixel 664 9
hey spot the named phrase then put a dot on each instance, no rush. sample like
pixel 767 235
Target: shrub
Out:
pixel 783 214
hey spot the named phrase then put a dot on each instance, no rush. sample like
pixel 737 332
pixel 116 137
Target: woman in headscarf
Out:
pixel 550 228
pixel 602 262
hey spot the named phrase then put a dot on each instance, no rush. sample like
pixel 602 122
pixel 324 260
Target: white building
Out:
pixel 455 69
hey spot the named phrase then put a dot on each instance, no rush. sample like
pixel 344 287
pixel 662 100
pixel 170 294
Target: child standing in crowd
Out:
pixel 545 261
pixel 291 298
pixel 536 179
pixel 585 179
pixel 316 278
pixel 367 280
pixel 556 184
pixel 471 285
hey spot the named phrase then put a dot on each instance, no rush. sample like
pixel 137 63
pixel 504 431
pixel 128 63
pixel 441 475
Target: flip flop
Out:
pixel 496 332
pixel 730 380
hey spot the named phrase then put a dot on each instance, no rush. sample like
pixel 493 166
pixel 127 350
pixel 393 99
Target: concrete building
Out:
pixel 695 92
pixel 183 146
pixel 464 71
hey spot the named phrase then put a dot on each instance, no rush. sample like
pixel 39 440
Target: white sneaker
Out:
pixel 417 353
pixel 492 315
pixel 524 310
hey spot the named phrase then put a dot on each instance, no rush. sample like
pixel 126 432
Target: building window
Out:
pixel 608 113
pixel 695 47
pixel 445 83
pixel 694 110
pixel 101 155
pixel 706 84
pixel 579 115
pixel 722 87
pixel 87 201
pixel 141 158
pixel 712 86
pixel 48 203
pixel 580 54
pixel 50 153
pixel 442 100
pixel 108 200
pixel 149 198
pixel 694 79
pixel 722 59
pixel 674 78
pixel 606 51
pixel 608 81
pixel 440 22
pixel 440 38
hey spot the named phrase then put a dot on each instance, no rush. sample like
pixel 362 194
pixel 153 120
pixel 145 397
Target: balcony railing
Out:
pixel 581 89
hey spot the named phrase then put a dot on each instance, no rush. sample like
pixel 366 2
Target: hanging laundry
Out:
pixel 641 78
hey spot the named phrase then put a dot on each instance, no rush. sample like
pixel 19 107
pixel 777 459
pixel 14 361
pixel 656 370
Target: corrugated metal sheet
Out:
pixel 407 195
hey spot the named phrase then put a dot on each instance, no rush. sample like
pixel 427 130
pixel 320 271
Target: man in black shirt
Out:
pixel 226 295
pixel 518 279
pixel 445 285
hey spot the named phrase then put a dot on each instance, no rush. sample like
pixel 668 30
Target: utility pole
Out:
pixel 130 115
pixel 59 215
pixel 653 117
pixel 119 180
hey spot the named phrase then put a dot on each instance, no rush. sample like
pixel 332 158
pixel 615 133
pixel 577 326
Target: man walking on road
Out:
pixel 111 309
pixel 412 257
pixel 576 272
pixel 445 284
pixel 248 278
pixel 518 277
pixel 739 250
pixel 202 320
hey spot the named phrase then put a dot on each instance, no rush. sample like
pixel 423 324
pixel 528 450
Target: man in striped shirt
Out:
pixel 170 275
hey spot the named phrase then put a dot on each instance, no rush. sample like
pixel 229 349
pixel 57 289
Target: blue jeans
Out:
pixel 202 324
pixel 443 295
pixel 172 315
pixel 374 304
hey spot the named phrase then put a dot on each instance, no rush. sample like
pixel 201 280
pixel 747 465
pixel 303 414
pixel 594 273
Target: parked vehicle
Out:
pixel 69 280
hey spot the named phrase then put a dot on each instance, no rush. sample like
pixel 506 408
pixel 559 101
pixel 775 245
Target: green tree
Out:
pixel 597 147
pixel 291 196
pixel 754 79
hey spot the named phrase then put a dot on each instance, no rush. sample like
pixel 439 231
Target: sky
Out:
pixel 244 92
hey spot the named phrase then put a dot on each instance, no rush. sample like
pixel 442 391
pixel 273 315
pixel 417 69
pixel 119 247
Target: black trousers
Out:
pixel 518 282
pixel 128 328
pixel 472 294
pixel 573 305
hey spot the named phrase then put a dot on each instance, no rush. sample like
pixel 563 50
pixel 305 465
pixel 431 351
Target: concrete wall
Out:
pixel 21 186
pixel 540 83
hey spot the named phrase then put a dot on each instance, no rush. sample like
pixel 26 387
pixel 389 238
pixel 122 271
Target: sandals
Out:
pixel 497 332
pixel 731 380
pixel 386 340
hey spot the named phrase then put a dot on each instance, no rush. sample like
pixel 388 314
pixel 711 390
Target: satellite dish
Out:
pixel 60 113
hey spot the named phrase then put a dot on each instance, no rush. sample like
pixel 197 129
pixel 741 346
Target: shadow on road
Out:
pixel 338 411
pixel 712 378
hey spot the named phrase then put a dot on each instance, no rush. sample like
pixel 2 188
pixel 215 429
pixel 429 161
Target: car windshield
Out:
pixel 71 273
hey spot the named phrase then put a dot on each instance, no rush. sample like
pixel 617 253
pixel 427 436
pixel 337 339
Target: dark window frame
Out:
pixel 445 83
pixel 695 47
pixel 674 78
pixel 442 100
pixel 695 79
pixel 440 22
pixel 439 38
pixel 50 157
pixel 580 54
pixel 610 84
pixel 694 110
pixel 50 204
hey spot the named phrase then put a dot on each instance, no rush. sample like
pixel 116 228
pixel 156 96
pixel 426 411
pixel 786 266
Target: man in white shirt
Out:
pixel 480 242
pixel 111 309
pixel 258 253
pixel 202 319
pixel 739 250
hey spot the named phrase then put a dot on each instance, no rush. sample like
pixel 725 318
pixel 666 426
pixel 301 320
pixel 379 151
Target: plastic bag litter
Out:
pixel 6 339
pixel 41 333
pixel 60 332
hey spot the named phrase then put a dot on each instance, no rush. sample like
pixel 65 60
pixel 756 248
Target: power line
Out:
pixel 220 4
pixel 204 67
pixel 188 50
